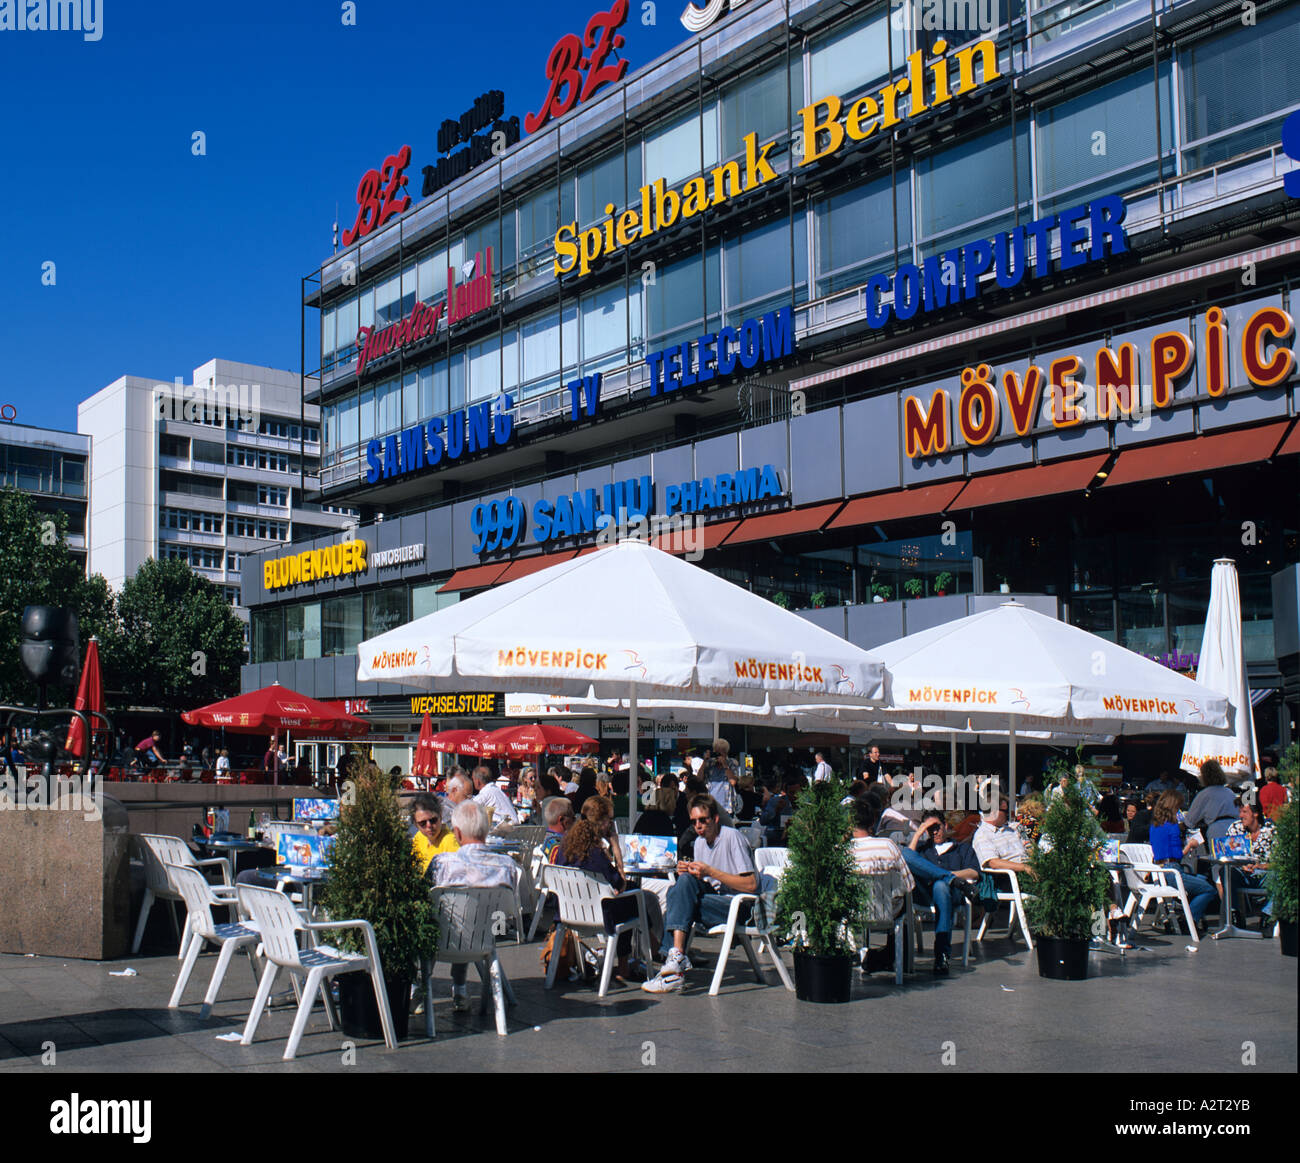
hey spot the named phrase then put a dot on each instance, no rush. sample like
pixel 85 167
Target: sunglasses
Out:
pixel 429 823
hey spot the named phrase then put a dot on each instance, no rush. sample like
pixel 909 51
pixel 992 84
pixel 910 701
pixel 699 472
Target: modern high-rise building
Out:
pixel 205 472
pixel 891 316
pixel 52 468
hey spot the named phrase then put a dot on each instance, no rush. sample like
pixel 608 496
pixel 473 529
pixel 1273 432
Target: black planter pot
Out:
pixel 1287 937
pixel 1061 959
pixel 822 979
pixel 358 1013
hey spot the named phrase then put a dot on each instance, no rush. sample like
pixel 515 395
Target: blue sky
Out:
pixel 164 259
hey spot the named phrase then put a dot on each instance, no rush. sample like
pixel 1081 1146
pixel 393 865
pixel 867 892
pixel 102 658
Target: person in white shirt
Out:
pixel 488 795
pixel 997 844
pixel 823 769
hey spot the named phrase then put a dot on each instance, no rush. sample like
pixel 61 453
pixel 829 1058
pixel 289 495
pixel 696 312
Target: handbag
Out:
pixel 568 955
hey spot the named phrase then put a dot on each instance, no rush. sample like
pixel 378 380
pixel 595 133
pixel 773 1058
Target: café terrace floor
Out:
pixel 1160 1010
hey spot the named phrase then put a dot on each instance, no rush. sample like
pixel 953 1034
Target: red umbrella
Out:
pixel 460 742
pixel 535 738
pixel 90 697
pixel 424 762
pixel 276 708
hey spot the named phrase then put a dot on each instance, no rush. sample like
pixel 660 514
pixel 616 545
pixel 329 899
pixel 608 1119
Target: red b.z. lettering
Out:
pixel 565 65
pixel 388 179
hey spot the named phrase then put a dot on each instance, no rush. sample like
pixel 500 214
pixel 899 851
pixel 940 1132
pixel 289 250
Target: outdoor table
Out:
pixel 1104 944
pixel 306 879
pixel 1229 929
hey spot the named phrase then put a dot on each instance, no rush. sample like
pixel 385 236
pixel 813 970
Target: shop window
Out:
pixel 1142 621
pixel 385 609
pixel 341 625
pixel 425 599
pixel 268 635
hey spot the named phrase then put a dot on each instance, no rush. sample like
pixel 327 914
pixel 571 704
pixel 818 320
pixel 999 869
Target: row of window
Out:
pixel 261 459
pixel 260 528
pixel 1230 93
pixel 189 520
pixel 334 626
pixel 199 556
pixel 42 470
pixel 272 495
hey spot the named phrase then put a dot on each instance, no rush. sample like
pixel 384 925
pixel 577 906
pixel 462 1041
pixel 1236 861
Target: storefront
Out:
pixel 830 307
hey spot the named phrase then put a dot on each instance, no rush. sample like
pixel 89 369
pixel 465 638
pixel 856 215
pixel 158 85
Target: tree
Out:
pixel 182 643
pixel 36 569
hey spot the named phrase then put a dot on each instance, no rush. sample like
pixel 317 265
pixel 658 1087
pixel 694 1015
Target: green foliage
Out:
pixel 821 895
pixel 882 591
pixel 781 599
pixel 375 876
pixel 1070 883
pixel 943 581
pixel 818 600
pixel 915 587
pixel 1281 879
pixel 182 643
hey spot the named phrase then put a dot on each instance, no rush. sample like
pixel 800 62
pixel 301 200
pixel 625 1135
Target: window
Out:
pixel 388 407
pixel 672 152
pixel 544 339
pixel 602 184
pixel 341 625
pixel 1082 145
pixel 855 232
pixel 851 59
pixel 178 446
pixel 272 495
pixel 425 599
pixel 960 187
pixel 1236 86
pixel 675 303
pixel 762 106
pixel 367 415
pixel 484 369
pixel 188 521
pixel 347 423
pixel 604 323
pixel 234 562
pixel 385 609
pixel 268 635
pixel 209 451
pixel 302 631
pixel 411 413
pixel 388 301
pixel 259 528
pixel 346 341
pixel 758 268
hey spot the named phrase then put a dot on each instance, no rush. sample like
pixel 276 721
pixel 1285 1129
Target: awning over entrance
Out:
pixel 896 506
pixel 786 524
pixel 1043 480
pixel 1201 454
pixel 475 577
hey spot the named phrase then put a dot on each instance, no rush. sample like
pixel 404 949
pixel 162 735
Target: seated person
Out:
pixel 748 809
pixel 432 837
pixel 938 844
pixel 1169 846
pixel 489 795
pixel 472 865
pixel 997 844
pixel 1137 821
pixel 1262 834
pixel 939 882
pixel 774 814
pixel 557 812
pixel 657 819
pixel 720 866
pixel 592 845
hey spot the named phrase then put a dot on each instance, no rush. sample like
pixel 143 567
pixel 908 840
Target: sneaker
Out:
pixel 460 998
pixel 967 890
pixel 677 962
pixel 941 965
pixel 666 981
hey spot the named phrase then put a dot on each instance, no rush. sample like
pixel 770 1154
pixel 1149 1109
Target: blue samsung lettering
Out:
pixel 376 466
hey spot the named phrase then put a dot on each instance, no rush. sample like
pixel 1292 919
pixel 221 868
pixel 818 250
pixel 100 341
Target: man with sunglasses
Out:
pixel 720 867
pixel 998 844
pixel 432 837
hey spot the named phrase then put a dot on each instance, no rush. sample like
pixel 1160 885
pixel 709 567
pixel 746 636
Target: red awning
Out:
pixel 785 524
pixel 1043 480
pixel 475 577
pixel 527 565
pixel 1200 454
pixel 896 506
pixel 713 536
pixel 1291 445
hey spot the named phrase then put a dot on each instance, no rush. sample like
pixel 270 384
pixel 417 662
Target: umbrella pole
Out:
pixel 1011 768
pixel 633 761
pixel 952 767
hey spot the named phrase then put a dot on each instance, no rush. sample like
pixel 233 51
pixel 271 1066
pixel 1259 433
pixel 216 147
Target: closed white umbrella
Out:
pixel 1222 668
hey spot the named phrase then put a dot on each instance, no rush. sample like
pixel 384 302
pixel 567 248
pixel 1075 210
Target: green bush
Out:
pixel 1281 879
pixel 821 895
pixel 375 876
pixel 1070 885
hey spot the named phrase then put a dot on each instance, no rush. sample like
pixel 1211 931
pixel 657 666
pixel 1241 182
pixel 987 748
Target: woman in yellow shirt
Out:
pixel 432 838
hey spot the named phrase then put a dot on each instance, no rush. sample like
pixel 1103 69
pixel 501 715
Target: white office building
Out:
pixel 205 472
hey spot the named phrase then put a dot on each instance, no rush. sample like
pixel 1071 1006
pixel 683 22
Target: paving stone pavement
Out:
pixel 1160 1009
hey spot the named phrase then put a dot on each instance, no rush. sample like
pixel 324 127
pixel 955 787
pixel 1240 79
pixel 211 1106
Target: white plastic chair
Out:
pixel 279 924
pixel 157 852
pixel 926 910
pixel 199 898
pixel 1148 882
pixel 747 933
pixel 579 895
pixel 772 861
pixel 1017 899
pixel 466 935
pixel 885 887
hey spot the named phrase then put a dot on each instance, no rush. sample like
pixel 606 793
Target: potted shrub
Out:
pixel 818 600
pixel 375 876
pixel 943 583
pixel 914 587
pixel 781 599
pixel 822 897
pixel 1280 880
pixel 1070 886
pixel 882 592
